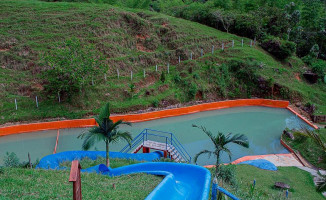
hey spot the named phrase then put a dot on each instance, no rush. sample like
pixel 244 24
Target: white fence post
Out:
pixel 168 68
pixel 232 43
pixel 16 104
pixel 242 43
pixel 36 101
pixel 144 73
pixel 118 73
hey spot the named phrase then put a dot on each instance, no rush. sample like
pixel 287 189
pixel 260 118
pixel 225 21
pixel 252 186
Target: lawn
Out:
pixel 301 183
pixel 19 183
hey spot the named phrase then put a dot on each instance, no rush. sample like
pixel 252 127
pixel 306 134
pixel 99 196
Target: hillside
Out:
pixel 135 40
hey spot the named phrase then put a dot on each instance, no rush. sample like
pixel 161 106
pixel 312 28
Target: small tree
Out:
pixel 106 131
pixel 220 144
pixel 69 66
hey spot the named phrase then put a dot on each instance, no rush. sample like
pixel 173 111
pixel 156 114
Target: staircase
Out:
pixel 161 141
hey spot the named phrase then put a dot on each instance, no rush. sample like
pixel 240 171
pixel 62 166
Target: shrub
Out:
pixel 69 66
pixel 227 174
pixel 281 49
pixel 155 103
pixel 163 78
pixel 177 78
pixel 192 91
pixel 11 160
pixel 319 67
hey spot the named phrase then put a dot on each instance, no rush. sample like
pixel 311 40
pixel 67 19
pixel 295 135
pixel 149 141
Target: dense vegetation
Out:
pixel 98 40
pixel 309 149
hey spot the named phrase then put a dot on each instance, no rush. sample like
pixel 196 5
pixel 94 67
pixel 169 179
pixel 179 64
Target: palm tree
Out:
pixel 220 144
pixel 106 131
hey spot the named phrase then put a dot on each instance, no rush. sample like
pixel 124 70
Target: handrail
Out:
pixel 169 140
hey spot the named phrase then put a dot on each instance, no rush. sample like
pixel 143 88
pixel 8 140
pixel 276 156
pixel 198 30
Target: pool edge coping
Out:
pixel 141 117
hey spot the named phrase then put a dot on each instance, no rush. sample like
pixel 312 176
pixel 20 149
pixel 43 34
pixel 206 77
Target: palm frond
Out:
pixel 225 149
pixel 121 135
pixel 203 152
pixel 104 113
pixel 239 139
pixel 208 133
pixel 321 182
pixel 94 135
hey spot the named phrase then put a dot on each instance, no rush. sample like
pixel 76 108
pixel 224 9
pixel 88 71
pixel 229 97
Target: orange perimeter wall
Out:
pixel 23 128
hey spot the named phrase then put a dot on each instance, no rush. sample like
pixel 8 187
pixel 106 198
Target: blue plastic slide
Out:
pixel 182 181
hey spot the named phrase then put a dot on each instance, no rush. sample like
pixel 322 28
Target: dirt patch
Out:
pixel 149 80
pixel 141 38
pixel 4 49
pixel 164 24
pixel 297 76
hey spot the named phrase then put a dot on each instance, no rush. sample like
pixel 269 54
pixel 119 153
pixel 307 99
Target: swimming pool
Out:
pixel 262 125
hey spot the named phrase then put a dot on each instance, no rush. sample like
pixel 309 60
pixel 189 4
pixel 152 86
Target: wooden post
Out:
pixel 56 142
pixel 75 179
pixel 29 160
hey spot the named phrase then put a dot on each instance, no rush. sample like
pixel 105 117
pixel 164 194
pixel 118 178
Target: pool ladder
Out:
pixel 161 141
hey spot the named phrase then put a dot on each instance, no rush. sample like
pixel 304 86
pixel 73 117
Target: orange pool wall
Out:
pixel 78 123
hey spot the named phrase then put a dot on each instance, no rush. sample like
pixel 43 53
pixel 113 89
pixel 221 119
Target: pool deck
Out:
pixel 284 160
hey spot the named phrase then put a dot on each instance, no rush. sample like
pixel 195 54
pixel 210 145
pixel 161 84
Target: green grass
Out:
pixel 114 33
pixel 19 183
pixel 309 149
pixel 114 162
pixel 301 183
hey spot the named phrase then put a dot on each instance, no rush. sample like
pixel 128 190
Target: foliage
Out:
pixel 155 103
pixel 227 174
pixel 163 77
pixel 220 145
pixel 11 160
pixel 281 49
pixel 106 131
pixel 70 66
pixel 192 91
pixel 311 147
pixel 319 67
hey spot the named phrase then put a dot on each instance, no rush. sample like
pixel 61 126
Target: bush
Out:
pixel 11 160
pixel 227 174
pixel 281 49
pixel 155 103
pixel 192 91
pixel 163 78
pixel 69 66
pixel 319 67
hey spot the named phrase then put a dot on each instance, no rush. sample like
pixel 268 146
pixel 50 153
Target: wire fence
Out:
pixel 132 74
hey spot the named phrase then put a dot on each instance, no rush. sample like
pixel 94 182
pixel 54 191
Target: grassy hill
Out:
pixel 135 40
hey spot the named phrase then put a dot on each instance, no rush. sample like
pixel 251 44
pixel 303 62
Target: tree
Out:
pixel 227 19
pixel 69 65
pixel 220 144
pixel 106 131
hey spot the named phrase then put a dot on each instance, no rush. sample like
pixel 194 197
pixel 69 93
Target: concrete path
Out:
pixel 276 159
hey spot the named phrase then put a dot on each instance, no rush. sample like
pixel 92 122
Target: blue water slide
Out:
pixel 53 161
pixel 182 181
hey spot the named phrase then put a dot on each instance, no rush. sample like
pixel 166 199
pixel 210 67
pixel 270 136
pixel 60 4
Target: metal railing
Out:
pixel 160 136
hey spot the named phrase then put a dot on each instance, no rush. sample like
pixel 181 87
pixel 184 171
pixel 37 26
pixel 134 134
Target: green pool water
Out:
pixel 262 125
